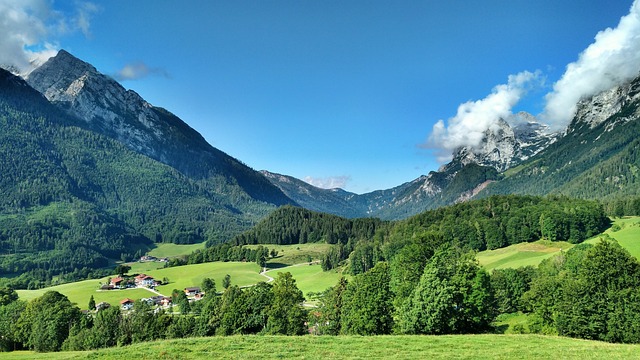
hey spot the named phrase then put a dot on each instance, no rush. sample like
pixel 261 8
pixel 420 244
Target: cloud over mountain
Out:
pixel 138 70
pixel 331 182
pixel 29 28
pixel 613 58
pixel 473 118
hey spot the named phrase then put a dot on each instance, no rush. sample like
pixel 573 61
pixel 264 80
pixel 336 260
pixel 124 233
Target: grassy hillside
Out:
pixel 625 230
pixel 522 254
pixel 179 278
pixel 358 347
pixel 294 254
pixel 310 278
pixel 172 250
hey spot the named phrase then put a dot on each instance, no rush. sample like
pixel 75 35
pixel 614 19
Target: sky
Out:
pixel 362 95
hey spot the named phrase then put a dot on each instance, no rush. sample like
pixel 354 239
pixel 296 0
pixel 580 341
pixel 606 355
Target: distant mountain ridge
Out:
pixel 596 157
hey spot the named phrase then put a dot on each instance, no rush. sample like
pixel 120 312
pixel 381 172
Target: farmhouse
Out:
pixel 165 301
pixel 148 258
pixel 145 280
pixel 117 282
pixel 192 291
pixel 126 304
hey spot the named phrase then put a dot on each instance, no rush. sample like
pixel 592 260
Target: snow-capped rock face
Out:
pixel 595 110
pixel 532 136
pixel 505 145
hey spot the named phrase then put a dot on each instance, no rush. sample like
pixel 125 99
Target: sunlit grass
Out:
pixel 358 347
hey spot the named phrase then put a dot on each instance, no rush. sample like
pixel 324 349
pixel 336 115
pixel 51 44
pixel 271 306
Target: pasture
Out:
pixel 625 230
pixel 180 277
pixel 173 250
pixel 294 254
pixel 310 278
pixel 357 347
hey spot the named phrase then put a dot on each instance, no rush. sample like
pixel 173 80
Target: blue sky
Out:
pixel 342 93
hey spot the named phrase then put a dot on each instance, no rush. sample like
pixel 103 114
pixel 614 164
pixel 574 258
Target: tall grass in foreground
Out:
pixel 351 347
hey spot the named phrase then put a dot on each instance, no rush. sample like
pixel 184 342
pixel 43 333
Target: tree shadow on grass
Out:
pixel 275 265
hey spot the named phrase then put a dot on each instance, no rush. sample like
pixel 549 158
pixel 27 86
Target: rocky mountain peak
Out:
pixel 107 107
pixel 505 144
pixel 597 109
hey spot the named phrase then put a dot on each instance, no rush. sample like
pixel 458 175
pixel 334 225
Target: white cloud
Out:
pixel 329 182
pixel 613 58
pixel 138 70
pixel 28 26
pixel 473 118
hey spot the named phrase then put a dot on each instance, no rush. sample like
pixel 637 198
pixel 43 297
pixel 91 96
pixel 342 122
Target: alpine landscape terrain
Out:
pixel 125 233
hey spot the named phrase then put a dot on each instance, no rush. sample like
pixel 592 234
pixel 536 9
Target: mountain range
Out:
pixel 594 158
pixel 91 172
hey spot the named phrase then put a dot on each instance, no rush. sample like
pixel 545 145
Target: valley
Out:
pixel 524 243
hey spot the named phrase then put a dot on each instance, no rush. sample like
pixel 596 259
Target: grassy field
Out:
pixel 514 256
pixel 80 292
pixel 358 347
pixel 173 250
pixel 519 255
pixel 179 278
pixel 628 236
pixel 294 254
pixel 310 278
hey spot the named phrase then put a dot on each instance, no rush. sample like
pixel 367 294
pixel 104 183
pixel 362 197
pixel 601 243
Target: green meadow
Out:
pixel 310 278
pixel 179 277
pixel 80 292
pixel 519 255
pixel 173 250
pixel 357 347
pixel 294 254
pixel 625 230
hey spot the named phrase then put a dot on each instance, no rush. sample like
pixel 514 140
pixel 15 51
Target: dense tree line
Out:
pixel 499 221
pixel 224 252
pixel 290 225
pixel 52 323
pixel 489 223
pixel 589 292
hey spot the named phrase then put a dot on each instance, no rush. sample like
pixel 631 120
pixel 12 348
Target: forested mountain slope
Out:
pixel 597 158
pixel 107 108
pixel 72 199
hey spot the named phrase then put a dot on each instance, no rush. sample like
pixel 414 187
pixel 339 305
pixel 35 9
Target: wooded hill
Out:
pixel 489 223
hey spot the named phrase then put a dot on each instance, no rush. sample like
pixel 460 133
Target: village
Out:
pixel 123 282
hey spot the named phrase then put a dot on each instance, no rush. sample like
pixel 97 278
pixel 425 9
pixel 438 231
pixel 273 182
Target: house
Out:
pixel 148 258
pixel 145 280
pixel 102 305
pixel 126 304
pixel 165 301
pixel 106 287
pixel 117 282
pixel 192 291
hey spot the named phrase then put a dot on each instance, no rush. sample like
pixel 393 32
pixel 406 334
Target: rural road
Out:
pixel 270 279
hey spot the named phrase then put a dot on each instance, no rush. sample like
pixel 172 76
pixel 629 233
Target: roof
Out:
pixel 190 289
pixel 124 301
